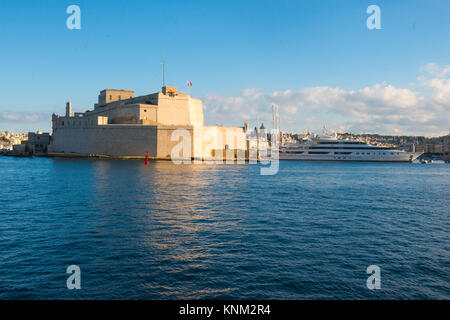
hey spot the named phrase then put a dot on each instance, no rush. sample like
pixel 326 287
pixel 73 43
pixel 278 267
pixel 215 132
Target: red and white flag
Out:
pixel 189 84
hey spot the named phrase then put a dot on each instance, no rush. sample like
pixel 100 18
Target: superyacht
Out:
pixel 329 148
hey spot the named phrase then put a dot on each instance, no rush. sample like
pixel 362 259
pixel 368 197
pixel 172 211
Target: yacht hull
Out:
pixel 387 157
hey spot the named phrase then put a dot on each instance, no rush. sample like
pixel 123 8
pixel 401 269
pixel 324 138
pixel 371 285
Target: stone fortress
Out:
pixel 124 126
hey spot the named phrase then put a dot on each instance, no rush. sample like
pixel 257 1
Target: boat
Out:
pixel 330 148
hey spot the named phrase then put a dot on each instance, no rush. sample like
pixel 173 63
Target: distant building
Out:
pixel 38 143
pixel 19 149
pixel 446 148
pixel 257 142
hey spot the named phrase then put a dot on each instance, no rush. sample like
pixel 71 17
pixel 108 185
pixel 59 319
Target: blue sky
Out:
pixel 285 49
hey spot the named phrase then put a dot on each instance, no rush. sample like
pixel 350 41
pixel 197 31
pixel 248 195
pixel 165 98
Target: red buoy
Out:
pixel 146 158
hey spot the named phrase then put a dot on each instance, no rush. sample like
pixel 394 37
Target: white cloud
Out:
pixel 441 91
pixel 22 117
pixel 436 71
pixel 290 109
pixel 381 108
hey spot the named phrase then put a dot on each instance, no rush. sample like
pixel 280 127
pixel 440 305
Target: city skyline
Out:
pixel 318 61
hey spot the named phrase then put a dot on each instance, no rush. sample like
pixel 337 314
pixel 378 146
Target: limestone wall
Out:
pixel 179 110
pixel 111 95
pixel 222 138
pixel 158 141
pixel 195 112
pixel 148 113
pixel 127 114
pixel 171 136
pixel 107 140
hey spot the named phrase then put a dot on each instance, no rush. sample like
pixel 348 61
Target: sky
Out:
pixel 317 60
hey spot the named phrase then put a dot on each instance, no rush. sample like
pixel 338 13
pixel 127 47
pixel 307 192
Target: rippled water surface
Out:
pixel 223 231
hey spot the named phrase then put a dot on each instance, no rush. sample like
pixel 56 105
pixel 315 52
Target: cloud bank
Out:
pixel 381 108
pixel 23 117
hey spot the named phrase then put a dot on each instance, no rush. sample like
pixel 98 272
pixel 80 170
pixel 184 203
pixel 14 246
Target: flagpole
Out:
pixel 189 85
pixel 164 74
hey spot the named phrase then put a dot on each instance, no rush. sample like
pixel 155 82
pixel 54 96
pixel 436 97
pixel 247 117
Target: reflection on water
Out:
pixel 173 210
pixel 223 231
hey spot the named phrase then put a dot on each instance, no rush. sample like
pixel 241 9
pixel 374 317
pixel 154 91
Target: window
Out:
pixel 145 110
pixel 110 97
pixel 119 97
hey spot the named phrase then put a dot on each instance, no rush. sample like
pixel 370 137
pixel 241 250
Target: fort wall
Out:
pixel 161 124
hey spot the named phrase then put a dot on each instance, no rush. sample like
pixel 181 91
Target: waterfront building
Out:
pixel 257 142
pixel 122 125
pixel 38 142
pixel 446 148
pixel 20 149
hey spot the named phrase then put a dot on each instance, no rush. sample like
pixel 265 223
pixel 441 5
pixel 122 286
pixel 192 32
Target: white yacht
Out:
pixel 329 148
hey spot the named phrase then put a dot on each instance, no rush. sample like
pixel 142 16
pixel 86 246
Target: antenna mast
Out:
pixel 164 72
